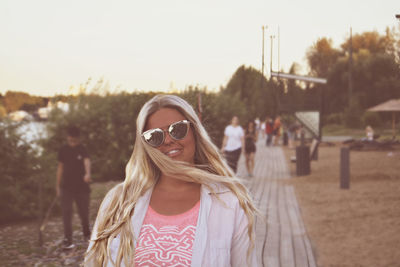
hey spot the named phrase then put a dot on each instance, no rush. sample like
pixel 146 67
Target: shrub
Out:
pixel 108 126
pixel 352 115
pixel 334 118
pixel 23 171
pixel 372 118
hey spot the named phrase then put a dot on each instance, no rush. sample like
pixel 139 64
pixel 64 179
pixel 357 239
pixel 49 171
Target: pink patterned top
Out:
pixel 167 240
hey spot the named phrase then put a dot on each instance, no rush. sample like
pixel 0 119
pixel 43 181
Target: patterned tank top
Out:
pixel 167 240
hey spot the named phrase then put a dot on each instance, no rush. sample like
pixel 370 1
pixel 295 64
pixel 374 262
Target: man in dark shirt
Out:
pixel 73 178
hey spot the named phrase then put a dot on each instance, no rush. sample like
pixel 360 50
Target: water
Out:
pixel 31 132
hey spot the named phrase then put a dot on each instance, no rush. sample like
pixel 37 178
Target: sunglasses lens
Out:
pixel 154 137
pixel 179 130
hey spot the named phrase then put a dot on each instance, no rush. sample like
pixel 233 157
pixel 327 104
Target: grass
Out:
pixel 340 130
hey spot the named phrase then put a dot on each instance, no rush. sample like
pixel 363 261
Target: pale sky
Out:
pixel 47 46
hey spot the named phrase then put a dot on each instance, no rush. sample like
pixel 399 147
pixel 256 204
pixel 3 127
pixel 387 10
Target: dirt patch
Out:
pixel 355 227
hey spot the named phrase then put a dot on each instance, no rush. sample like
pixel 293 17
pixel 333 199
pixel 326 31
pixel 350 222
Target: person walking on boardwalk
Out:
pixel 180 203
pixel 269 128
pixel 292 132
pixel 73 178
pixel 251 135
pixel 277 130
pixel 233 143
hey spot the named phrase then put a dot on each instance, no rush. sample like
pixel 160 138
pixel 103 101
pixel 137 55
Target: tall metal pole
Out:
pixel 262 57
pixel 279 50
pixel 263 28
pixel 272 37
pixel 350 67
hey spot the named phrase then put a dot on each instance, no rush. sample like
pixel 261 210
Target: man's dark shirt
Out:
pixel 73 168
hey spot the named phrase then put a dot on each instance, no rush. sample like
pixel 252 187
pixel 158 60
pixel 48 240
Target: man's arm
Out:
pixel 87 177
pixel 60 168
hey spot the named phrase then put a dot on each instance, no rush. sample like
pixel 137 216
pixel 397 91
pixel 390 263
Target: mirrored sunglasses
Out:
pixel 177 131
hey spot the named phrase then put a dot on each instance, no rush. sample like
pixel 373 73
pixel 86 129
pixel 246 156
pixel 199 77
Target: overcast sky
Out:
pixel 47 46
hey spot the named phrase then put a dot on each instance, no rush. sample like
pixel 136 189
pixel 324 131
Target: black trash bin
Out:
pixel 303 160
pixel 285 138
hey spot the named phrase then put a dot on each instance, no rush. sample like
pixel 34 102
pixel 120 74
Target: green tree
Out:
pixel 258 95
pixel 321 56
pixel 3 111
pixel 14 101
pixel 375 70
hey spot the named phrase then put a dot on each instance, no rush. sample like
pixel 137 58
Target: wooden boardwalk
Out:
pixel 281 238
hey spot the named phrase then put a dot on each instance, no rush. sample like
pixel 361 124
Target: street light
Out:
pixel 272 40
pixel 264 27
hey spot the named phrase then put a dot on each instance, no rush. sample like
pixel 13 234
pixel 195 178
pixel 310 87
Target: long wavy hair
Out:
pixel 142 171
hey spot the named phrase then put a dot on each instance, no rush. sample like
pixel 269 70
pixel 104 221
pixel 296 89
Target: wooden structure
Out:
pixel 393 106
pixel 281 237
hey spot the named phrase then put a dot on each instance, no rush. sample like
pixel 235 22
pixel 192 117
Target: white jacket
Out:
pixel 221 237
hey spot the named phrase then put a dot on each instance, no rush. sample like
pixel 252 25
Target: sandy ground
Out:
pixel 359 226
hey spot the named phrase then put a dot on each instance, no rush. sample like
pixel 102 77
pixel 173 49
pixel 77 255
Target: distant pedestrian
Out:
pixel 292 131
pixel 73 178
pixel 251 135
pixel 269 128
pixel 233 143
pixel 277 130
pixel 257 123
pixel 262 129
pixel 369 133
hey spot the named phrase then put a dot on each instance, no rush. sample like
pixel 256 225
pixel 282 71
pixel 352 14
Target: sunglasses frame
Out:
pixel 187 122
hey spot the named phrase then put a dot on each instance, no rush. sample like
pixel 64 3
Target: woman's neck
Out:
pixel 170 184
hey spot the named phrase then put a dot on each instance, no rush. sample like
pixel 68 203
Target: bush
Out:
pixel 372 118
pixel 334 118
pixel 352 115
pixel 108 127
pixel 23 171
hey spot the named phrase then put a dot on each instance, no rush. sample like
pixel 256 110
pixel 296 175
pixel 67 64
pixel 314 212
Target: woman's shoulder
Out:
pixel 223 193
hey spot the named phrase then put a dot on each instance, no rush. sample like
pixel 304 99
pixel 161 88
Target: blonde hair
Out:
pixel 142 171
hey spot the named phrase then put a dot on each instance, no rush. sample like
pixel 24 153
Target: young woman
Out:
pixel 251 136
pixel 233 143
pixel 180 203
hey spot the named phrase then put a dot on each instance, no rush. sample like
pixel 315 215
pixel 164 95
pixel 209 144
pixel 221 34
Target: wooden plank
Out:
pixel 271 249
pixel 286 245
pixel 263 195
pixel 300 252
pixel 307 243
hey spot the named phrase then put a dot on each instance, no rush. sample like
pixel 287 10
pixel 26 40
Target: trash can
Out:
pixel 285 138
pixel 303 160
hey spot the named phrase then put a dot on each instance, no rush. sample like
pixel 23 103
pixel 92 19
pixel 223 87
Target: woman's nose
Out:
pixel 168 139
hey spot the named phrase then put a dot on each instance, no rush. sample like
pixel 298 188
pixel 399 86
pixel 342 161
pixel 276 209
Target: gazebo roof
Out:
pixel 391 105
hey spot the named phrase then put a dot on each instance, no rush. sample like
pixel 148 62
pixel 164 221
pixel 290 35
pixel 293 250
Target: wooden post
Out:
pixel 344 168
pixel 394 124
pixel 40 217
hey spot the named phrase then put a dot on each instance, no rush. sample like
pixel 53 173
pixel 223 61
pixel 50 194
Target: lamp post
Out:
pixel 263 28
pixel 272 40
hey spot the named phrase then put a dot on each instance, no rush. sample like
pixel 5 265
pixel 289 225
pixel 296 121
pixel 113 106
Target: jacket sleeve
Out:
pixel 241 241
pixel 103 207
